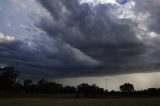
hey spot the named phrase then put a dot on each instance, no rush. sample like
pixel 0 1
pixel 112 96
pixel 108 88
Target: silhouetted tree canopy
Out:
pixel 9 83
pixel 8 77
pixel 69 90
pixel 27 82
pixel 127 88
pixel 89 90
pixel 27 85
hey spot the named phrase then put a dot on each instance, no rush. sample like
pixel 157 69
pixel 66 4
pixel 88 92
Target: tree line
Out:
pixel 10 84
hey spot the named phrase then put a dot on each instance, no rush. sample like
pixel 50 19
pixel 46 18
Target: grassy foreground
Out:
pixel 78 102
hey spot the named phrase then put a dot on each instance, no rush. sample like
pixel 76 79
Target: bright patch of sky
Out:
pixel 99 1
pixel 6 37
pixel 140 81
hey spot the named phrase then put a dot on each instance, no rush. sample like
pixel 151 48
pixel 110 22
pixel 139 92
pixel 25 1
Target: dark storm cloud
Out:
pixel 82 40
pixel 95 32
pixel 40 59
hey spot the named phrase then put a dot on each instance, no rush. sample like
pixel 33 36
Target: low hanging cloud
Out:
pixel 83 39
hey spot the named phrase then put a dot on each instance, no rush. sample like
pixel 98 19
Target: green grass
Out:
pixel 78 102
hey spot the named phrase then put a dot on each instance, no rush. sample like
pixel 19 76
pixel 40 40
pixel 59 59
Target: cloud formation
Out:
pixel 76 38
pixel 6 37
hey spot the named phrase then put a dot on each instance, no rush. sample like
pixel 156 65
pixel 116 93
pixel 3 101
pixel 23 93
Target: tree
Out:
pixel 90 90
pixel 27 85
pixel 83 89
pixel 49 87
pixel 18 86
pixel 42 85
pixel 127 88
pixel 8 77
pixel 69 90
pixel 27 82
pixel 52 87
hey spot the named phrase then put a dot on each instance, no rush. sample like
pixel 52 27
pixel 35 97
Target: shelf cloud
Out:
pixel 69 38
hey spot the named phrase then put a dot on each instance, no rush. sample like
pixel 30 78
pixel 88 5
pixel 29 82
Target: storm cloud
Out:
pixel 74 38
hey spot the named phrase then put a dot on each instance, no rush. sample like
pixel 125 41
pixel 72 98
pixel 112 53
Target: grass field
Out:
pixel 78 102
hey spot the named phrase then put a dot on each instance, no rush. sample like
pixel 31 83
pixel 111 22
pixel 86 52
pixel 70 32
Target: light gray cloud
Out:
pixel 151 8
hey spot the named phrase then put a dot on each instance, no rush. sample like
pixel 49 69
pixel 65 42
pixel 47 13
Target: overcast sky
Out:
pixel 82 38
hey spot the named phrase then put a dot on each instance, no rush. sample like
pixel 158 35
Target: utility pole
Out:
pixel 106 83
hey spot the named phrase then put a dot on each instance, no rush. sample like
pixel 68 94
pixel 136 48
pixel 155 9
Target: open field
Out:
pixel 78 102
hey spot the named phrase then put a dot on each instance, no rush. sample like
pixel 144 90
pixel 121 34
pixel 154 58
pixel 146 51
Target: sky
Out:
pixel 74 41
